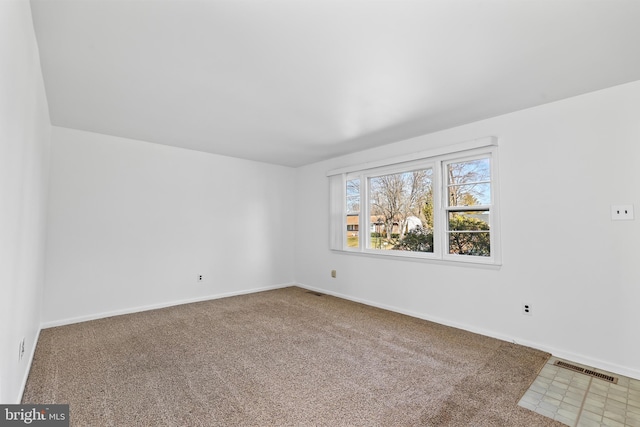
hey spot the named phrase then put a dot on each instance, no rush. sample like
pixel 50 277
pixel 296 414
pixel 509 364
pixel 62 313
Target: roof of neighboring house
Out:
pixel 353 219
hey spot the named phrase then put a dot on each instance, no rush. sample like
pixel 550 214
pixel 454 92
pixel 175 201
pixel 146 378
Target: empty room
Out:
pixel 319 212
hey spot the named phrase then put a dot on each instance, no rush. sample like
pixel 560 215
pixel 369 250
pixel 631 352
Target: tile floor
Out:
pixel 580 400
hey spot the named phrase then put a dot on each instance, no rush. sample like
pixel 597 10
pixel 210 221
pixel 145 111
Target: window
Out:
pixel 398 204
pixel 353 212
pixel 468 207
pixel 441 206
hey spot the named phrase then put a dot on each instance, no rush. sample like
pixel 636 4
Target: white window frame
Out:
pixel 436 160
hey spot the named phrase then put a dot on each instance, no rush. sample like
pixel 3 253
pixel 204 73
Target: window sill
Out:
pixel 425 258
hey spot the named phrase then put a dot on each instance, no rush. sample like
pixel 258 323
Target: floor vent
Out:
pixel 318 294
pixel 586 371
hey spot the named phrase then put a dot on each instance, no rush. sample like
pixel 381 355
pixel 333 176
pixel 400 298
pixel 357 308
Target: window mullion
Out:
pixel 438 194
pixel 364 213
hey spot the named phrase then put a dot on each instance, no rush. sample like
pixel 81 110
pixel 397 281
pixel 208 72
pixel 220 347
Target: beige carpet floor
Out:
pixel 285 357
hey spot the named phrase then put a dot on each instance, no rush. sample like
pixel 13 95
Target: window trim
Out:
pixel 436 160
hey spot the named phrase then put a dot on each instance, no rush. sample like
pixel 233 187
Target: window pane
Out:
pixel 470 194
pixel 353 212
pixel 468 233
pixel 401 208
pixel 469 183
pixel 469 243
pixel 469 221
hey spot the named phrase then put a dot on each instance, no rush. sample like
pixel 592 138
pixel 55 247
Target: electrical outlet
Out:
pixel 333 274
pixel 527 309
pixel 621 212
pixel 200 278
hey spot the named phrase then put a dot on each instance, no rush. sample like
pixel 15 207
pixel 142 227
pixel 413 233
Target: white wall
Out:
pixel 562 165
pixel 132 224
pixel 24 150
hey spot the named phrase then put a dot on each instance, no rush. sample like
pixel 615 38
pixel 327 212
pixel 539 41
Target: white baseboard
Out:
pixel 32 354
pixel 561 353
pixel 130 310
pixel 589 362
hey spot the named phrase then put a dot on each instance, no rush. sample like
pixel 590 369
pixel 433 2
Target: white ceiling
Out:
pixel 296 81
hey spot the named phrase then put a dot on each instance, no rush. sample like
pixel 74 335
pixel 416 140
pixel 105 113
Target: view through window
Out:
pixel 401 211
pixel 468 207
pixel 442 207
